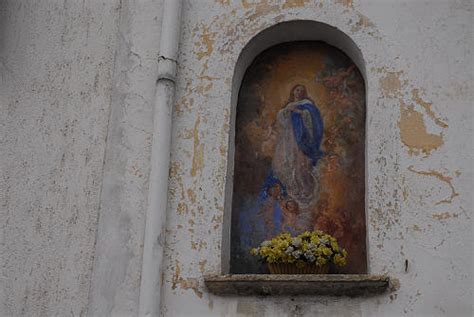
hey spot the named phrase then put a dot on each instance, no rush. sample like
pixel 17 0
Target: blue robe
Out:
pixel 308 142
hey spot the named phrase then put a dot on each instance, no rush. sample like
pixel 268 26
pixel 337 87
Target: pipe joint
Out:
pixel 167 69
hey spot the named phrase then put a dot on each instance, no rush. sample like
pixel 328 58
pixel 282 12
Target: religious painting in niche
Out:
pixel 299 152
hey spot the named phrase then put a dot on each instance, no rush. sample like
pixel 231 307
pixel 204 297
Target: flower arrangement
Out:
pixel 306 249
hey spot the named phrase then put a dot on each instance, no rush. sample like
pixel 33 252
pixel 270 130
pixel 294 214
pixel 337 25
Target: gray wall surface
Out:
pixel 115 285
pixel 56 64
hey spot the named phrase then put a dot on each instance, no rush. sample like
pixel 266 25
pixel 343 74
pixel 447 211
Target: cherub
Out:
pixel 290 210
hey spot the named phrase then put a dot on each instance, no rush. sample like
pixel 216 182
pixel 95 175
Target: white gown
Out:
pixel 290 165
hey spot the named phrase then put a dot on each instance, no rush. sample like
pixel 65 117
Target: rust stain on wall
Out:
pixel 186 134
pixel 202 265
pixel 413 131
pixel 184 104
pixel 394 284
pixel 174 169
pixel 363 22
pixel 416 228
pixel 261 7
pixel 206 77
pixel 444 216
pixel 198 245
pixel 192 196
pixel 247 4
pixel 445 179
pixel 135 170
pixel 263 10
pixel 404 188
pixel 206 43
pixel 293 4
pixel 204 87
pixel 189 283
pixel 176 275
pixel 198 150
pixel 390 84
pixel 182 208
pixel 346 3
pixel 427 106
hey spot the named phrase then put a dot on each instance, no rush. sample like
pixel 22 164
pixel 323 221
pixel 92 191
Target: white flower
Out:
pixel 296 254
pixel 296 242
pixel 310 257
pixel 289 250
pixel 265 244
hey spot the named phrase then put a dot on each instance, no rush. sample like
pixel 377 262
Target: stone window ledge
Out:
pixel 289 284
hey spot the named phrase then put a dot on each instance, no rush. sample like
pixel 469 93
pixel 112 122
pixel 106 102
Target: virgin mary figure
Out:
pixel 290 192
pixel 298 132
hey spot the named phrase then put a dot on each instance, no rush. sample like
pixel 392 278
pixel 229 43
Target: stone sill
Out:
pixel 300 284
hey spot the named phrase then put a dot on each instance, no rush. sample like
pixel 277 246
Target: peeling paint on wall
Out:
pixel 214 36
pixel 346 3
pixel 185 284
pixel 198 150
pixel 427 106
pixel 363 22
pixel 205 44
pixel 390 83
pixel 413 132
pixel 445 179
pixel 294 4
pixel 444 215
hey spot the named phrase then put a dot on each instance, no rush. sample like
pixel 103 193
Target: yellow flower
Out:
pixel 322 245
pixel 327 251
pixel 320 261
pixel 304 246
pixel 339 260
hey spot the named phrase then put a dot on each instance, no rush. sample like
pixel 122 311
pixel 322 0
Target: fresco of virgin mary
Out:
pixel 298 132
pixel 299 152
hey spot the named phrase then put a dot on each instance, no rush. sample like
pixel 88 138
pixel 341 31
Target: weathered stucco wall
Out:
pixel 56 64
pixel 77 89
pixel 118 262
pixel 418 170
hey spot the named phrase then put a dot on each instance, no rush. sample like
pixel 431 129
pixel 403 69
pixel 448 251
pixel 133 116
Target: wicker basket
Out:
pixel 285 268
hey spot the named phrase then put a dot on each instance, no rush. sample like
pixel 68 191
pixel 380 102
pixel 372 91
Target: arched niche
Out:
pixel 287 41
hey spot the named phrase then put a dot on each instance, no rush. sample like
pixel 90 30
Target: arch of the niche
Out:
pixel 290 31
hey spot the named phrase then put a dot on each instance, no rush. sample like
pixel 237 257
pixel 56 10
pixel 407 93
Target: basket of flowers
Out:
pixel 307 253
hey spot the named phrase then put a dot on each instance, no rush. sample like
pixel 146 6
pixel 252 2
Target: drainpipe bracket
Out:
pixel 167 69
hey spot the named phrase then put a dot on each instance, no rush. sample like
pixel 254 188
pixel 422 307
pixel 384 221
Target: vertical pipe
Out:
pixel 152 266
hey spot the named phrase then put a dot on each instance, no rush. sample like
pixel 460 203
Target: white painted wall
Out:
pixel 115 284
pixel 56 64
pixel 76 93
